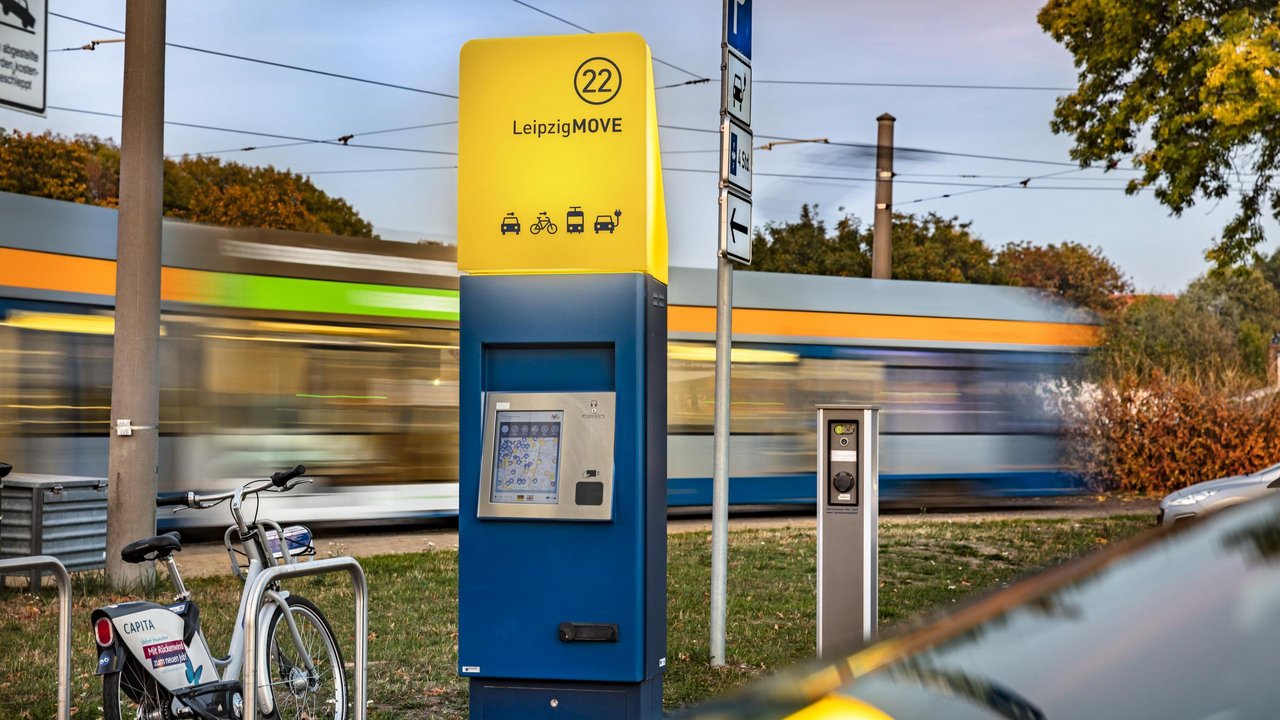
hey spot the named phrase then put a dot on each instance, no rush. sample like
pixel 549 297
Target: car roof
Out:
pixel 1177 623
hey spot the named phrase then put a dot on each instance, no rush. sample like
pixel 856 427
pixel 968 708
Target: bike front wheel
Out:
pixel 132 693
pixel 299 693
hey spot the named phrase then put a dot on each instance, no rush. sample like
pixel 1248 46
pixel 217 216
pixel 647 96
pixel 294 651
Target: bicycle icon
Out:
pixel 543 223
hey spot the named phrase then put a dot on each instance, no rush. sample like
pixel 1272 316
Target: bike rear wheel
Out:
pixel 297 693
pixel 132 693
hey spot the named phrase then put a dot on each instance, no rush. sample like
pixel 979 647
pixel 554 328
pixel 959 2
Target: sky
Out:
pixel 415 43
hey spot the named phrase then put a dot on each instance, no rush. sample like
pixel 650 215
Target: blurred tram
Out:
pixel 341 353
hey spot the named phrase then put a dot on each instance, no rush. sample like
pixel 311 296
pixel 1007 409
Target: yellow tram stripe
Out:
pixel 806 323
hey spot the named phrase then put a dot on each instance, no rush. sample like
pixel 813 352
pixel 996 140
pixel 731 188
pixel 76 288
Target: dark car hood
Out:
pixel 1178 624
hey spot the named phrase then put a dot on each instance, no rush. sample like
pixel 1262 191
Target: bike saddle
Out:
pixel 158 547
pixel 4 469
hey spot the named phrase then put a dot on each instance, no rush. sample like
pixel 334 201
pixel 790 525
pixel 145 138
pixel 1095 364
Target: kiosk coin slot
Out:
pixel 547 456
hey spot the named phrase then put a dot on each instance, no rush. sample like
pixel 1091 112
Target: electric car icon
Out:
pixel 607 223
pixel 510 224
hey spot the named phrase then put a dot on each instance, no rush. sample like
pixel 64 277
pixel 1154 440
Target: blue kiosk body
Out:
pixel 566 618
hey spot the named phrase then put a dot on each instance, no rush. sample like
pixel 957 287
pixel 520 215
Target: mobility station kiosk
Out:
pixel 562 404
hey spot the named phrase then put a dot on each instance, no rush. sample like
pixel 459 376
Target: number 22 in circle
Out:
pixel 597 80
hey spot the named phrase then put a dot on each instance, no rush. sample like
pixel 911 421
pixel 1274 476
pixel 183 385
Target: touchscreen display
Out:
pixel 527 462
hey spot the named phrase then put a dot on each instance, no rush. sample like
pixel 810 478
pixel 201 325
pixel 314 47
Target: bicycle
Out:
pixel 156 664
pixel 544 223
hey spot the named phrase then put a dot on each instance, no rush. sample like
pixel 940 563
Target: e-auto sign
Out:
pixel 23 46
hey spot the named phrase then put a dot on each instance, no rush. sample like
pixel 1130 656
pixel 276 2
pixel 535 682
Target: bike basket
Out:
pixel 297 539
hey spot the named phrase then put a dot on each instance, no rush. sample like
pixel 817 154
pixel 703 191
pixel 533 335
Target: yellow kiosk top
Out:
pixel 558 162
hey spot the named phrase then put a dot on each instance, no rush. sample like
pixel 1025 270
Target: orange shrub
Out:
pixel 1162 435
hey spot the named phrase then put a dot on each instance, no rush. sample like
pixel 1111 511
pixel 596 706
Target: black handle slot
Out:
pixel 588 632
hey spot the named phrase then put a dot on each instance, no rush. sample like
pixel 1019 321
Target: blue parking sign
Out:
pixel 737 27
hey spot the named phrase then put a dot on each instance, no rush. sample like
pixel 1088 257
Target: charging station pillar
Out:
pixel 848 525
pixel 562 387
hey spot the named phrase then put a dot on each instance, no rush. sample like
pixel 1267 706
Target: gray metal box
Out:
pixel 57 515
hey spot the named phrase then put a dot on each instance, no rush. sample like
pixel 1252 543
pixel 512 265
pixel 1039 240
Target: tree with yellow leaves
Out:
pixel 1188 91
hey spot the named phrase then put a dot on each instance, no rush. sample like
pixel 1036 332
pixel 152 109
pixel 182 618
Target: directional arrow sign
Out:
pixel 735 227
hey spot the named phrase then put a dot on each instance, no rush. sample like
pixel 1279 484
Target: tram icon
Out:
pixel 574 220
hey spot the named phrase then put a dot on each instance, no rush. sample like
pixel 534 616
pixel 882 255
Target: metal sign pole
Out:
pixel 720 477
pixel 734 245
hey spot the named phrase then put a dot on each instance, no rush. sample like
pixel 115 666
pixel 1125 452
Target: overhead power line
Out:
pixel 271 63
pixel 918 86
pixel 900 148
pixel 553 16
pixel 300 140
pixel 312 142
pixel 374 170
pixel 845 178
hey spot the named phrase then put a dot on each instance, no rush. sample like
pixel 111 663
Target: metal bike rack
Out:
pixel 256 595
pixel 60 576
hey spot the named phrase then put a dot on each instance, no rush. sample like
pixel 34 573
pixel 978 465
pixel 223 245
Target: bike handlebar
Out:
pixel 278 482
pixel 280 478
pixel 174 498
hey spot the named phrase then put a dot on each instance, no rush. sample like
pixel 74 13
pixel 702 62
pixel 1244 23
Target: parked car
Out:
pixel 1213 495
pixel 1177 623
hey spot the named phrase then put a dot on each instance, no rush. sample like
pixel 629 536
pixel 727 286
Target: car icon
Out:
pixel 510 223
pixel 19 8
pixel 605 223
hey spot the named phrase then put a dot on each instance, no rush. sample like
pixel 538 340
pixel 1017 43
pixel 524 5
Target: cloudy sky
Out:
pixel 409 190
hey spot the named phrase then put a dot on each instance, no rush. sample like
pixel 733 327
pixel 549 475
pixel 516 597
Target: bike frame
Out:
pixel 252 537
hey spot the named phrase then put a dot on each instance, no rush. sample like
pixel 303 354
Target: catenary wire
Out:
pixel 301 140
pixel 690 73
pixel 915 86
pixel 900 148
pixel 374 170
pixel 272 63
pixel 313 142
pixel 977 188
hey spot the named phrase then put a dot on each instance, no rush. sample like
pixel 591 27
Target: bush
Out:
pixel 1158 436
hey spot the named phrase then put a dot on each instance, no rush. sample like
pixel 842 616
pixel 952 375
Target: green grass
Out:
pixel 925 566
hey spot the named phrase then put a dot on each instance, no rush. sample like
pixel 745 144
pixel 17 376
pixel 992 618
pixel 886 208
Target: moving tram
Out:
pixel 341 353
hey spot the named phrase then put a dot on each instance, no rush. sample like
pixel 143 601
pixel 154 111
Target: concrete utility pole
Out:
pixel 135 391
pixel 882 240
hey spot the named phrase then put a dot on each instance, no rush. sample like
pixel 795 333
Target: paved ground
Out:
pixel 210 558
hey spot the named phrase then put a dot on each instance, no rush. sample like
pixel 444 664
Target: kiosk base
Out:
pixel 494 699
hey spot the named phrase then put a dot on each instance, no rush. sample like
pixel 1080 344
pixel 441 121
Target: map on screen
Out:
pixel 527 462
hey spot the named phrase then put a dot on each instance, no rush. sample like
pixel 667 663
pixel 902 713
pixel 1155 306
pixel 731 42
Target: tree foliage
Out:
pixel 1189 92
pixel 1217 333
pixel 939 249
pixel 1079 274
pixel 929 247
pixel 86 169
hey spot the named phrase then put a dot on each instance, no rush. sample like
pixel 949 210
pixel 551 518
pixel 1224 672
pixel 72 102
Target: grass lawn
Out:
pixel 926 566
